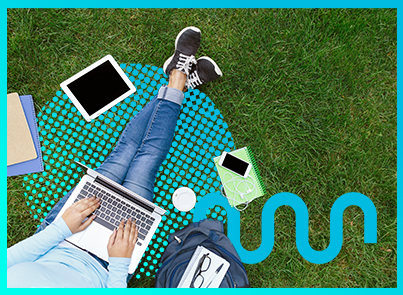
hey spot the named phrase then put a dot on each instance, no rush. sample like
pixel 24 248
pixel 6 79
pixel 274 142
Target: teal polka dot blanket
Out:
pixel 201 134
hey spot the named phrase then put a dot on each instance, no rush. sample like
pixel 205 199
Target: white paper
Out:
pixel 216 261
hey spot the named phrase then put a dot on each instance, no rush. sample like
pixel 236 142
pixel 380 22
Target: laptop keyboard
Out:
pixel 113 210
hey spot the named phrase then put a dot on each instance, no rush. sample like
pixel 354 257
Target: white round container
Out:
pixel 184 199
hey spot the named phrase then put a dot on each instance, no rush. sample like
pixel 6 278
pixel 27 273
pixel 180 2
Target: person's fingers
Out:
pixel 83 204
pixel 112 239
pixel 128 228
pixel 91 206
pixel 133 232
pixel 86 223
pixel 119 233
pixel 89 201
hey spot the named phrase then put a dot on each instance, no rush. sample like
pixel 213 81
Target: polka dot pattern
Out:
pixel 200 135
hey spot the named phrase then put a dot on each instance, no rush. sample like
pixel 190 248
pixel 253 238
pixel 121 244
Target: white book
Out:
pixel 212 278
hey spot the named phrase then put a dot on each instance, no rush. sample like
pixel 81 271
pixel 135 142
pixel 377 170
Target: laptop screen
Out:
pixel 98 87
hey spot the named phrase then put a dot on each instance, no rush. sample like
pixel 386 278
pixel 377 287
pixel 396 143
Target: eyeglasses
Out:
pixel 204 264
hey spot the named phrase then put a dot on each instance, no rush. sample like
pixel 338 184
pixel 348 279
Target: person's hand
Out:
pixel 76 213
pixel 122 241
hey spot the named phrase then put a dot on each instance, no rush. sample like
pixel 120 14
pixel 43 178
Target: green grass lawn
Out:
pixel 312 92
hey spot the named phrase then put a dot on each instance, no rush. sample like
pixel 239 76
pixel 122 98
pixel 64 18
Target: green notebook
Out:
pixel 234 198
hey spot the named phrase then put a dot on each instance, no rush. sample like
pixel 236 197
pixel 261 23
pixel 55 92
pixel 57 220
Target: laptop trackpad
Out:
pixel 96 240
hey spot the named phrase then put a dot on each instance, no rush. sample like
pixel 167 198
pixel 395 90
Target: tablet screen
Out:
pixel 98 87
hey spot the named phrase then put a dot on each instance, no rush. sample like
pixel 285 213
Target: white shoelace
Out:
pixel 193 80
pixel 185 63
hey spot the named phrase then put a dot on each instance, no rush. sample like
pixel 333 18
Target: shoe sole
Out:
pixel 181 32
pixel 216 68
pixel 168 61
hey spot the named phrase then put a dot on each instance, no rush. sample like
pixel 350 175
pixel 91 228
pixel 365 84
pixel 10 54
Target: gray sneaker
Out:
pixel 186 44
pixel 205 70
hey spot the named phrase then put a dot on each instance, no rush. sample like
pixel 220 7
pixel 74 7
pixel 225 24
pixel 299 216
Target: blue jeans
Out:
pixel 140 151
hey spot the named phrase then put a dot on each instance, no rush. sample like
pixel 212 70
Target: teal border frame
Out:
pixel 178 4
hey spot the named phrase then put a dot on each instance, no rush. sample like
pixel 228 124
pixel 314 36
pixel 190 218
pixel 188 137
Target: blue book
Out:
pixel 34 165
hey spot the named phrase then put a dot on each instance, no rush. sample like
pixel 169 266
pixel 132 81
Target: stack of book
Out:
pixel 204 270
pixel 23 146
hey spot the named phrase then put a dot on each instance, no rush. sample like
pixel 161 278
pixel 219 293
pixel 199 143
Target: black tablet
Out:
pixel 98 87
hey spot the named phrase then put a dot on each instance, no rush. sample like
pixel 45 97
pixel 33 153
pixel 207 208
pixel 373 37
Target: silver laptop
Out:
pixel 117 203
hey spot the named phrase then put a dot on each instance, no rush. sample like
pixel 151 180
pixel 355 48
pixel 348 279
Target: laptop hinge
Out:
pixel 123 193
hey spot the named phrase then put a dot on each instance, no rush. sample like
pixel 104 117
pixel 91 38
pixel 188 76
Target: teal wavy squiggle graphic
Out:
pixel 302 231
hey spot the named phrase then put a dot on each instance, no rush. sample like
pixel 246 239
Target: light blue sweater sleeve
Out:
pixel 118 268
pixel 38 245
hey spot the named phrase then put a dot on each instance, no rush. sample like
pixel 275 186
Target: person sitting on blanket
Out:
pixel 44 260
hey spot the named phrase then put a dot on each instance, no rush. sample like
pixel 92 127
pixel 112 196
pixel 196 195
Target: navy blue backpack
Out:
pixel 208 233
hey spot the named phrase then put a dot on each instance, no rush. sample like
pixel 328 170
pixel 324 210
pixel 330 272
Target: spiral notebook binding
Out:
pixel 254 164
